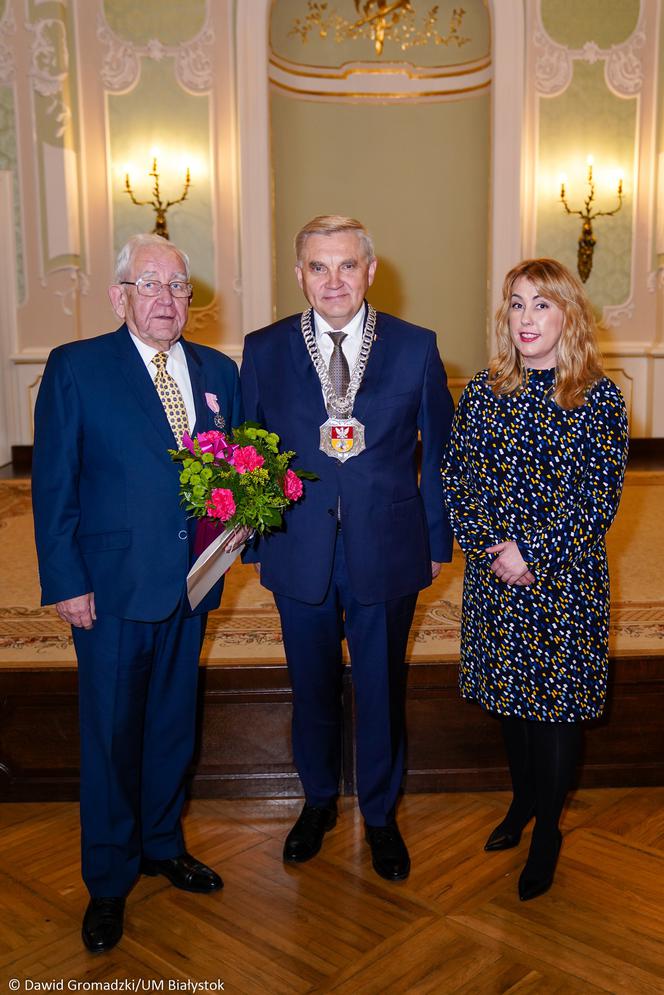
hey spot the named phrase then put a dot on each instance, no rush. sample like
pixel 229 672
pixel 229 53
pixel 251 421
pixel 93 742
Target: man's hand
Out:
pixel 510 566
pixel 79 612
pixel 435 569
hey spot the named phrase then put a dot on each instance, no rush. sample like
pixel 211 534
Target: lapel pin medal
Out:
pixel 213 405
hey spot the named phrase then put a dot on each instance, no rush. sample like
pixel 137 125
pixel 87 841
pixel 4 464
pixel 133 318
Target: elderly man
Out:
pixel 114 547
pixel 350 390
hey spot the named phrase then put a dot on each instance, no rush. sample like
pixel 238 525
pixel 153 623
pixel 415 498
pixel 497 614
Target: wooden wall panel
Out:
pixel 244 745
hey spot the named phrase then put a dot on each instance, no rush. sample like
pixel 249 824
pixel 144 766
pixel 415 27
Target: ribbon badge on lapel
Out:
pixel 213 404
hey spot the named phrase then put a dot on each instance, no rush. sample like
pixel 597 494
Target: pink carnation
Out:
pixel 292 486
pixel 221 504
pixel 246 459
pixel 215 443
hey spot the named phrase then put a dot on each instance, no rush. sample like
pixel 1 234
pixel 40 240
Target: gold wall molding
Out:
pixel 203 321
pixel 369 81
pixel 381 21
pixel 121 66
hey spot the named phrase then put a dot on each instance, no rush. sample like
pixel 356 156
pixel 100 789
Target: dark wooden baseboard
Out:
pixel 21 459
pixel 244 734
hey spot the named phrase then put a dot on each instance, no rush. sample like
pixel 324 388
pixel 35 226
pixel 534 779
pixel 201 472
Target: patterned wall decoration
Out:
pixel 54 85
pixel 8 143
pixel 158 74
pixel 588 106
pixel 593 69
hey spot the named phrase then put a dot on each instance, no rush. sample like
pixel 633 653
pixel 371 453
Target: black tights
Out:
pixel 542 757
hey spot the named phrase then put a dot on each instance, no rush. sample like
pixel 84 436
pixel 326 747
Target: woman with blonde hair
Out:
pixel 533 476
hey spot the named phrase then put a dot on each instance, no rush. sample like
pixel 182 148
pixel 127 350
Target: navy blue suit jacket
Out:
pixel 392 527
pixel 108 517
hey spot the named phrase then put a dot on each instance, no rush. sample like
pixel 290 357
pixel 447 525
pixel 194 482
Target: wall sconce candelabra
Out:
pixel 160 208
pixel 587 238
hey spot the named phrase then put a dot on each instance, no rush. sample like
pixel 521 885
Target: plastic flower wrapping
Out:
pixel 238 480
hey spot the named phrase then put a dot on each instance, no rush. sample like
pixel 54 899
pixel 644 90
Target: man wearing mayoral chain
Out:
pixel 114 546
pixel 350 389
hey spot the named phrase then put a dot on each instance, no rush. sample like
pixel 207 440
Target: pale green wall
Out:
pixel 167 21
pixel 158 112
pixel 588 119
pixel 418 176
pixel 57 122
pixel 659 259
pixel 574 22
pixel 8 162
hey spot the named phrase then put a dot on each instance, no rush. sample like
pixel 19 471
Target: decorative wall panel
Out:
pixel 53 75
pixel 593 90
pixel 8 124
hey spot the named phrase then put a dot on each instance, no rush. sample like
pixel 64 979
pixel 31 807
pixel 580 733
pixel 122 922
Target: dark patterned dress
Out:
pixel 521 468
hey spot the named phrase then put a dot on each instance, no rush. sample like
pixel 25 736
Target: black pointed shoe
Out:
pixel 184 872
pixel 537 876
pixel 306 837
pixel 102 923
pixel 389 854
pixel 501 839
pixel 507 834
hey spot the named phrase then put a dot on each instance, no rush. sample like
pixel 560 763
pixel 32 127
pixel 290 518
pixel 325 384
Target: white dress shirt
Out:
pixel 176 365
pixel 350 345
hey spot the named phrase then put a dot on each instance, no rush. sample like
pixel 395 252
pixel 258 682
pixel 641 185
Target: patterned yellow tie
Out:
pixel 170 397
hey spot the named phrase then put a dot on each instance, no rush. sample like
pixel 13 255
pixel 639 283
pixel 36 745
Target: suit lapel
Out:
pixel 140 383
pixel 195 368
pixel 307 378
pixel 372 374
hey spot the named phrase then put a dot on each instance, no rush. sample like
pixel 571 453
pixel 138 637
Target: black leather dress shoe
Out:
pixel 537 875
pixel 184 872
pixel 306 837
pixel 389 854
pixel 102 923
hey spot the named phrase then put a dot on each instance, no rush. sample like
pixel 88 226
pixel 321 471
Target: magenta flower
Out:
pixel 215 443
pixel 246 459
pixel 292 486
pixel 221 504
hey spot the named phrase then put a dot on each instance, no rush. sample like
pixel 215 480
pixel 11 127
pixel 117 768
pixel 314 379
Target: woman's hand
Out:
pixel 509 565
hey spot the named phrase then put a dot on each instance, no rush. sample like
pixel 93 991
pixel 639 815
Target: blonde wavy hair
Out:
pixel 578 362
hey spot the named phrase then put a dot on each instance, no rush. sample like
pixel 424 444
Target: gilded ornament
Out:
pixel 380 21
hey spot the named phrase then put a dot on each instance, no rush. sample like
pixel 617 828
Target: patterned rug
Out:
pixel 245 630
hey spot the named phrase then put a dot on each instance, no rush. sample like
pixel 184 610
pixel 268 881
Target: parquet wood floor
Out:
pixel 332 925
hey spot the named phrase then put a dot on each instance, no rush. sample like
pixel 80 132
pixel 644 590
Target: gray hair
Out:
pixel 330 224
pixel 126 254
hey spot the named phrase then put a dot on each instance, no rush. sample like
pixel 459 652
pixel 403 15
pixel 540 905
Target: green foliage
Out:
pixel 258 494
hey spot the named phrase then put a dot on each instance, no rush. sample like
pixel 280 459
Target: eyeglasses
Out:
pixel 152 288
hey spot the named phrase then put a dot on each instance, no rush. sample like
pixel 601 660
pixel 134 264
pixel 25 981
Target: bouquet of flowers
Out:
pixel 239 481
pixel 235 485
